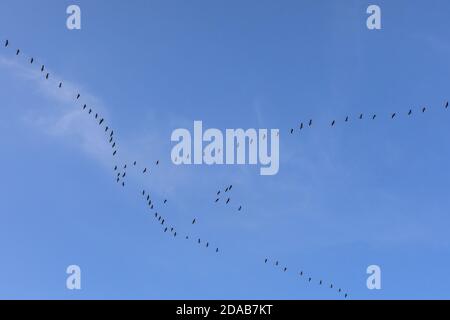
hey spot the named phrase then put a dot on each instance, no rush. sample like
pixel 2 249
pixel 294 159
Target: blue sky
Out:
pixel 362 193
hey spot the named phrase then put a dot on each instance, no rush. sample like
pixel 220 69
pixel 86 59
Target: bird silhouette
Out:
pixel 424 109
pixel 240 208
pixel 265 261
pixel 446 105
pixel 301 126
pixel 393 115
pixel 90 111
pixel 165 201
pixel 346 119
pixel 42 68
pixel 157 162
pixel 276 263
pixel 113 145
pixel 207 244
pixel 217 249
pixel 284 270
pixel 410 112
pixel 292 131
pixel 193 221
pixel 374 116
pixel 6 43
pixel 84 106
pixel 31 60
pixel 199 240
pixel 114 153
pixel 17 52
pixel 46 76
pixel 332 123
pixel 228 200
pixel 78 96
pixel 310 123
pixel 145 170
pixel 60 84
pixel 115 168
pixel 361 116
pixel 217 199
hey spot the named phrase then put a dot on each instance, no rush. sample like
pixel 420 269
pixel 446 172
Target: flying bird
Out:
pixel 217 249
pixel 446 105
pixel 228 200
pixel 374 116
pixel 310 122
pixel 218 192
pixel 31 60
pixel 193 221
pixel 265 261
pixel 78 96
pixel 113 145
pixel 60 84
pixel 393 115
pixel 6 43
pixel 424 109
pixel 46 76
pixel 207 244
pixel 42 68
pixel 143 192
pixel 114 153
pixel 276 263
pixel 17 52
pixel 240 208
pixel 217 199
pixel 157 162
pixel 165 201
pixel 346 119
pixel 292 131
pixel 361 116
pixel 145 170
pixel 101 121
pixel 90 111
pixel 301 126
pixel 115 168
pixel 96 115
pixel 84 107
pixel 112 132
pixel 332 123
pixel 410 112
pixel 199 240
pixel 284 269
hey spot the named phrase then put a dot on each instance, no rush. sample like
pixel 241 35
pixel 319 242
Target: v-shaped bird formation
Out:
pixel 120 173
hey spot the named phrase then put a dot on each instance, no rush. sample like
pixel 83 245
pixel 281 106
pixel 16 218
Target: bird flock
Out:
pixel 120 173
pixel 361 116
pixel 225 196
